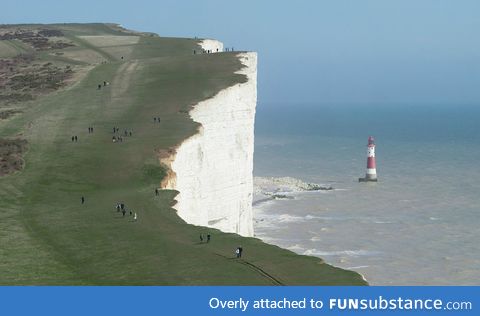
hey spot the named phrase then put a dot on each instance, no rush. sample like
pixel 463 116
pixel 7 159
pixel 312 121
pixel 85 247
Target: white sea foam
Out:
pixel 285 218
pixel 357 267
pixel 350 253
pixel 273 185
pixel 296 248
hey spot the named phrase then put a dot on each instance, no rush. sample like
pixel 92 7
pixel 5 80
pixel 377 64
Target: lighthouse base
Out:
pixel 367 179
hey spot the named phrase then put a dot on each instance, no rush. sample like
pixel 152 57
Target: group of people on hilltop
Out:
pixel 210 51
pixel 119 138
pixel 105 83
pixel 122 208
pixel 238 251
pixel 208 238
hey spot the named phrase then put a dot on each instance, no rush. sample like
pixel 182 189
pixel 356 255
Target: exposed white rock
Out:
pixel 213 169
pixel 211 45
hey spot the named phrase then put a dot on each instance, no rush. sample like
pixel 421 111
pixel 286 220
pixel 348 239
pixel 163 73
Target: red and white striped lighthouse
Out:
pixel 371 167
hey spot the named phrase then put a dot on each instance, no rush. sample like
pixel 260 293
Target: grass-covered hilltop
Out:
pixel 56 82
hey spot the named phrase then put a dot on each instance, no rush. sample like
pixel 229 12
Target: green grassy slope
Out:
pixel 48 237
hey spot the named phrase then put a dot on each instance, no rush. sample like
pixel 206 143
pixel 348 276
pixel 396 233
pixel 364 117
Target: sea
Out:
pixel 418 225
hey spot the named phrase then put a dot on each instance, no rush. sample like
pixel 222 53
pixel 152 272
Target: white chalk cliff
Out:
pixel 212 46
pixel 213 169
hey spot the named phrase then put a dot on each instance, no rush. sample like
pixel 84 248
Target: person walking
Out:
pixel 156 192
pixel 208 238
pixel 124 212
pixel 201 238
pixel 237 252
pixel 83 200
pixel 240 250
pixel 135 216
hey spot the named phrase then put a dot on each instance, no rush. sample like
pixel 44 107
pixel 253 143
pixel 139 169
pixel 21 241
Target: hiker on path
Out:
pixel 208 238
pixel 135 217
pixel 237 252
pixel 130 133
pixel 124 212
pixel 118 207
pixel 73 138
pixel 156 191
pixel 240 250
pixel 83 200
pixel 76 138
pixel 201 238
pixel 155 120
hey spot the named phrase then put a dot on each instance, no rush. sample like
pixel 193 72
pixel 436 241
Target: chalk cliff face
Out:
pixel 213 46
pixel 213 170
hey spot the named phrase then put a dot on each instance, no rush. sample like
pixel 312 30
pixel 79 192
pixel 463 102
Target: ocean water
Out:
pixel 419 225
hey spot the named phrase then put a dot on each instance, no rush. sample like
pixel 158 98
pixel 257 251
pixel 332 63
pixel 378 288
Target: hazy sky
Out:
pixel 337 51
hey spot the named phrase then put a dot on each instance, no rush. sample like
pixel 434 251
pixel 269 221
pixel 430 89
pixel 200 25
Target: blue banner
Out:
pixel 247 300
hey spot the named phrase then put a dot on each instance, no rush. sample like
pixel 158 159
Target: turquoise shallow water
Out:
pixel 418 225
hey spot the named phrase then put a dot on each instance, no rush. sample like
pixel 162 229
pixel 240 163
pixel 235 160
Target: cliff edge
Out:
pixel 213 169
